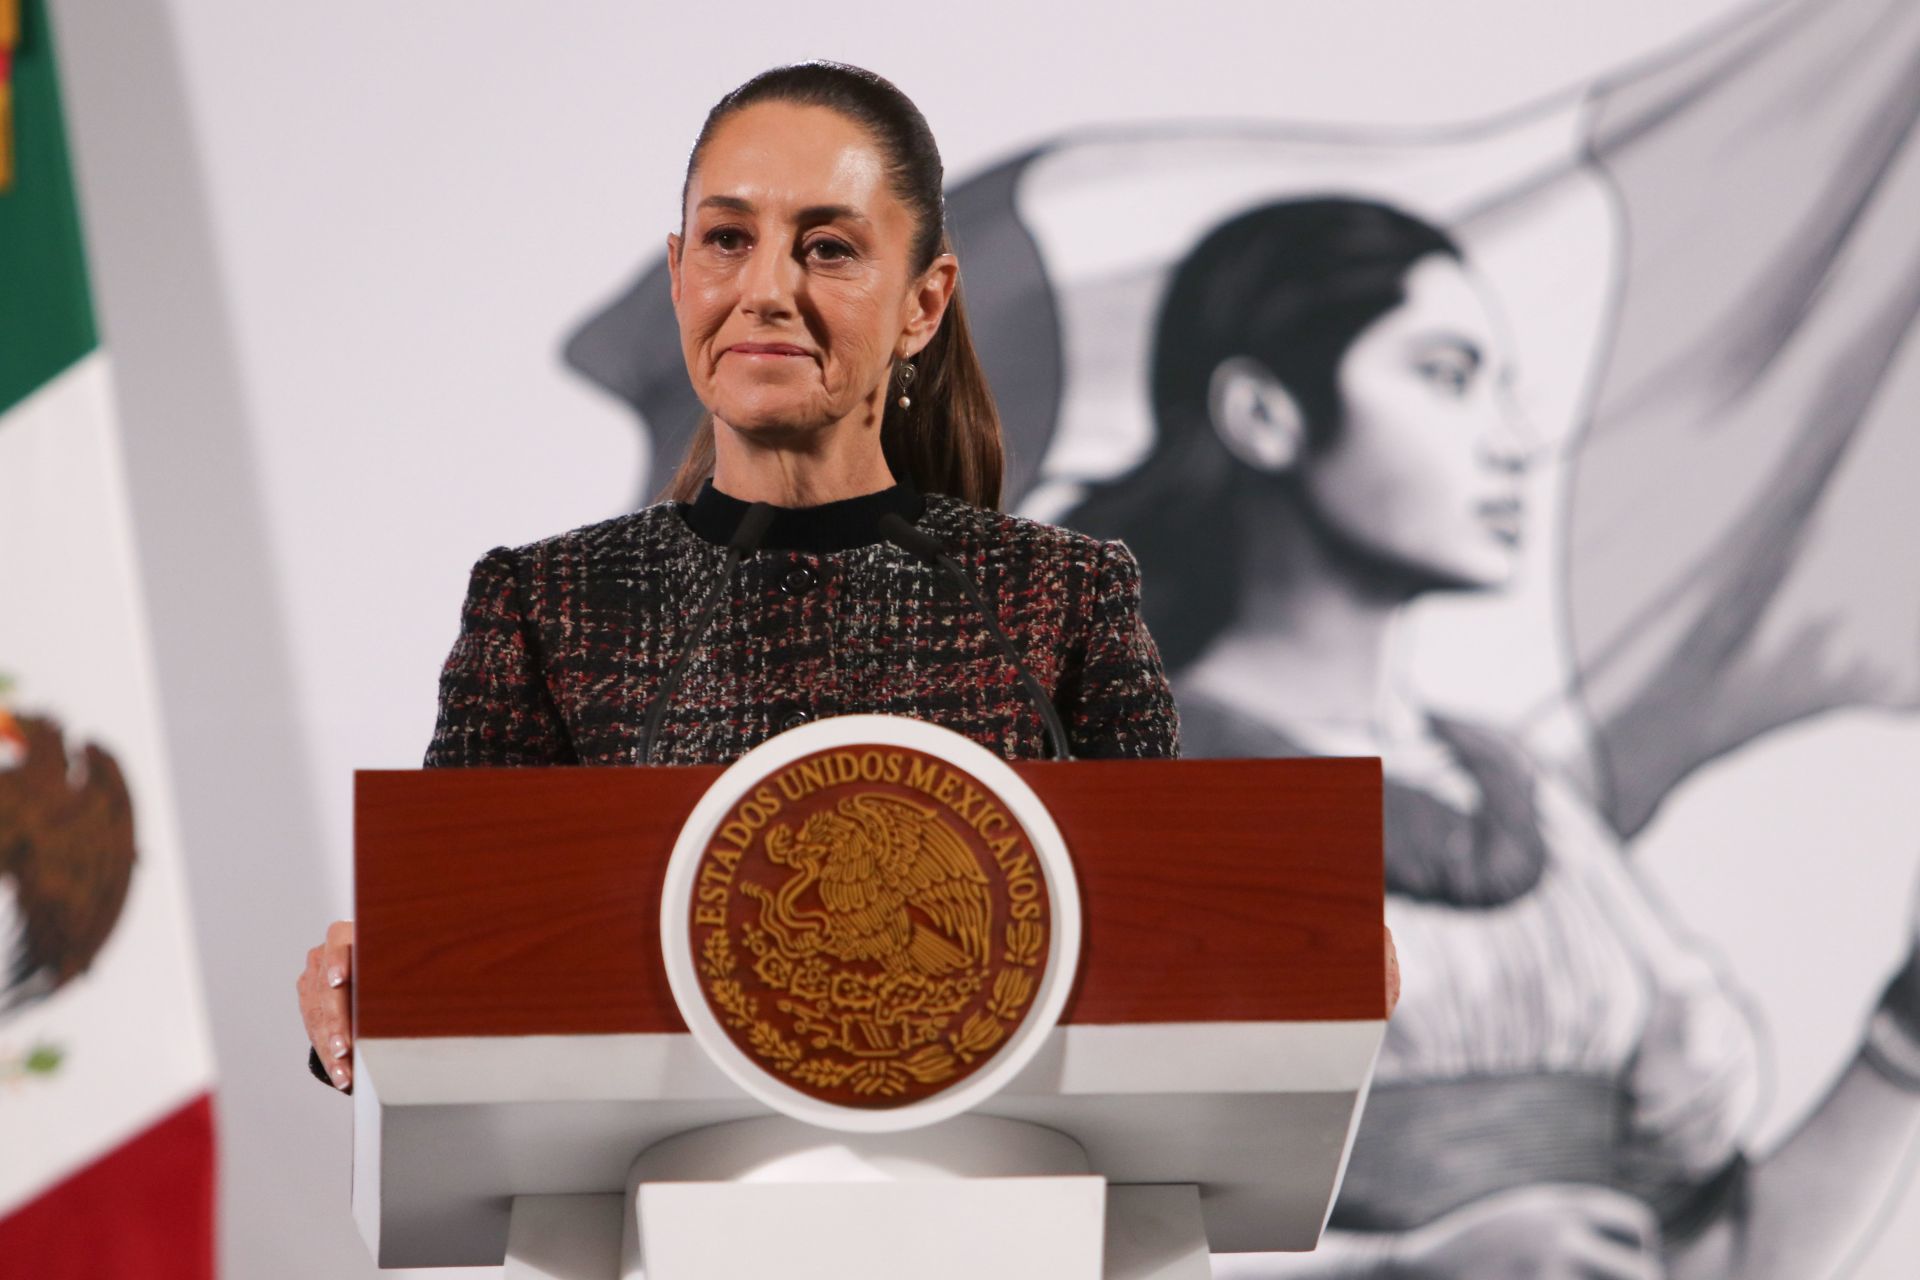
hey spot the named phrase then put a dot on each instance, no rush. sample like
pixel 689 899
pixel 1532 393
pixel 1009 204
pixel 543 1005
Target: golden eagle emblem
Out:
pixel 894 885
pixel 870 927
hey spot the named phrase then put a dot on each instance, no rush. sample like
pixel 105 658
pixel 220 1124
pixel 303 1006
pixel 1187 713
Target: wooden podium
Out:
pixel 517 1044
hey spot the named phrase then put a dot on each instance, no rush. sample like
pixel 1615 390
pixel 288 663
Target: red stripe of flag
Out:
pixel 143 1211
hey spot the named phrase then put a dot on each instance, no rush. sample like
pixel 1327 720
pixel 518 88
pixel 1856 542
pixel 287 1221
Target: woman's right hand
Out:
pixel 324 986
pixel 1551 1231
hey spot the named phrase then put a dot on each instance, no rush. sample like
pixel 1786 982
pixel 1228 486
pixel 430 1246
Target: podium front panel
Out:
pixel 524 901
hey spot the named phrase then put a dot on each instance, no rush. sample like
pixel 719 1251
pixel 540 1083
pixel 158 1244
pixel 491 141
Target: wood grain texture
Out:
pixel 526 901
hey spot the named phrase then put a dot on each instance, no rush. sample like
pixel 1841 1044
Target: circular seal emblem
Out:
pixel 870 923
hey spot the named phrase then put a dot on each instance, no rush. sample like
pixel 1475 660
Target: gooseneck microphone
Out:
pixel 745 540
pixel 923 545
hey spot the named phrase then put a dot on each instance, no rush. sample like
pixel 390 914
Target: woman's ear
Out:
pixel 673 267
pixel 927 302
pixel 1255 415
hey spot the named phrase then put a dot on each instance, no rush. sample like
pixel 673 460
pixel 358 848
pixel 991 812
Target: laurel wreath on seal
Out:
pixel 932 1062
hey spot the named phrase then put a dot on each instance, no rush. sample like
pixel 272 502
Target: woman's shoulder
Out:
pixel 658 528
pixel 553 572
pixel 976 532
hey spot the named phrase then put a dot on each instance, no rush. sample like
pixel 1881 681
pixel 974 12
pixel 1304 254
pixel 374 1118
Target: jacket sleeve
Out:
pixel 1113 694
pixel 495 707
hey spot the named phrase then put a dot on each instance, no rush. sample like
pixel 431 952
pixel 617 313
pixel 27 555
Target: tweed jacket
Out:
pixel 564 643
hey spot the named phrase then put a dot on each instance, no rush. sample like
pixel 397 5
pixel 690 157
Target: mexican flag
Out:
pixel 106 1120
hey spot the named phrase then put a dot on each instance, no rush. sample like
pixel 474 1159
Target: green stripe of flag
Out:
pixel 46 315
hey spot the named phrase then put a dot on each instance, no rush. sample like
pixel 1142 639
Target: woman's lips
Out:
pixel 1505 518
pixel 780 349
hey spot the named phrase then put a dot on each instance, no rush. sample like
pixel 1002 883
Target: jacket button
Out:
pixel 798 580
pixel 792 720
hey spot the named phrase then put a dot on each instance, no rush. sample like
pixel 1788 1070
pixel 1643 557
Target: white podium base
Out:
pixel 450 1130
pixel 1007 1228
pixel 974 1196
pixel 1151 1233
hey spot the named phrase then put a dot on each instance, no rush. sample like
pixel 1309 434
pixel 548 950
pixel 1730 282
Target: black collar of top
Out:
pixel 832 526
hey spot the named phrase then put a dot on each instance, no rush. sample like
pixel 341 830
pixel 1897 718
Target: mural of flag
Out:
pixel 106 1119
pixel 1755 410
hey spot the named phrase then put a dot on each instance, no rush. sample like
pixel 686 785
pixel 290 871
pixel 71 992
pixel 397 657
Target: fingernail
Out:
pixel 339 1044
pixel 336 977
pixel 340 1076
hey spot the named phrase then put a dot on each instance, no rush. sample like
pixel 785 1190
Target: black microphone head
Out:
pixel 914 541
pixel 752 527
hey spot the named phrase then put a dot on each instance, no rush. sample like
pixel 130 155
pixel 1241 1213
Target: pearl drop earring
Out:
pixel 906 380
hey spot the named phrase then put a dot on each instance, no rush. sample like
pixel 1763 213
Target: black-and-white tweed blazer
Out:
pixel 563 643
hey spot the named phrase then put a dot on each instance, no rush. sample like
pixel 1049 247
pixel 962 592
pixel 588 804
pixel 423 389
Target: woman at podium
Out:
pixel 830 543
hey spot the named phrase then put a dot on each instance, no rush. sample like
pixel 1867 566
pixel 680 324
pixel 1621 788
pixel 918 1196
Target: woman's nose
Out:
pixel 1512 442
pixel 768 284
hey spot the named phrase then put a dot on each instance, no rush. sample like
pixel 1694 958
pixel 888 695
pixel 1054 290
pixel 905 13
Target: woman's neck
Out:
pixel 1311 651
pixel 800 470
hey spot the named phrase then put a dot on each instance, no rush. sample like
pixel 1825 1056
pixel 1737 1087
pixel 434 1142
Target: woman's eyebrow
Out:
pixel 817 213
pixel 1467 348
pixel 812 215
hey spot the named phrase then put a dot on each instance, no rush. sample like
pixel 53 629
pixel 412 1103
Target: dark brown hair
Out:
pixel 949 440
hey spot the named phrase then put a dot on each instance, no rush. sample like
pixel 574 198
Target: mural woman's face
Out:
pixel 1427 469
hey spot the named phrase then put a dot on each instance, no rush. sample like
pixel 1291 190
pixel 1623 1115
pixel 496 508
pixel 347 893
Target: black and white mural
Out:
pixel 1564 461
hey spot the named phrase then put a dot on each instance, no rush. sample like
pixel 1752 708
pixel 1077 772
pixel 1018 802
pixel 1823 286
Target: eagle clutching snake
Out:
pixel 895 885
pixel 66 858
